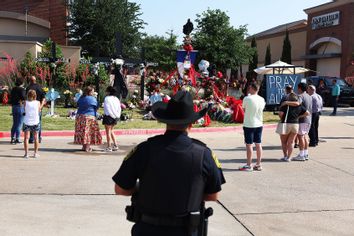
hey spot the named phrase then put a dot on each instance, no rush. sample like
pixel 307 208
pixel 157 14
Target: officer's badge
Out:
pixel 217 163
pixel 130 153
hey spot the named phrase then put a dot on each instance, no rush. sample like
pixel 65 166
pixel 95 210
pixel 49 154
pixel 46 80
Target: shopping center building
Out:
pixel 323 43
pixel 26 24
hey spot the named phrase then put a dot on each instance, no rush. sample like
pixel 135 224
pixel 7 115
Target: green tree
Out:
pixel 219 42
pixel 27 66
pixel 47 50
pixel 161 49
pixel 58 70
pixel 286 54
pixel 253 63
pixel 268 56
pixel 94 24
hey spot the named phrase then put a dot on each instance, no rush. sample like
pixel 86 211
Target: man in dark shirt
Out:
pixel 176 173
pixel 41 98
pixel 317 106
pixel 18 95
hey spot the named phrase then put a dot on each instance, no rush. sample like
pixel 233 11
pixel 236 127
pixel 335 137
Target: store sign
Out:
pixel 276 85
pixel 325 20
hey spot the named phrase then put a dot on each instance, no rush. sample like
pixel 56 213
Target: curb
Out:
pixel 66 133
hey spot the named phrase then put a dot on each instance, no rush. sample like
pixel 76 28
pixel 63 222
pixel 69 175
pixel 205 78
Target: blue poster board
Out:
pixel 276 86
pixel 181 55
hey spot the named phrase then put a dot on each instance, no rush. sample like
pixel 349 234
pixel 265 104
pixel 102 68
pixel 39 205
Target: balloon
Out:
pixel 203 65
pixel 219 75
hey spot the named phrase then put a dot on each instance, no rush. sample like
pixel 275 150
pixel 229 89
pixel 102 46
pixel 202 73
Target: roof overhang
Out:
pixel 327 6
pixel 326 40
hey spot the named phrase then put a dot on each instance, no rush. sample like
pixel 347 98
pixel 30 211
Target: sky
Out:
pixel 162 16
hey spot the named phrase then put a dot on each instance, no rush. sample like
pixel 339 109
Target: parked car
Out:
pixel 324 86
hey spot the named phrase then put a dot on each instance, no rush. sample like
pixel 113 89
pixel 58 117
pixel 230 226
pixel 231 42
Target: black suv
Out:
pixel 324 86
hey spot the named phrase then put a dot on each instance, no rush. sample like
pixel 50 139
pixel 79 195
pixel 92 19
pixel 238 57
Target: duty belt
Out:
pixel 164 221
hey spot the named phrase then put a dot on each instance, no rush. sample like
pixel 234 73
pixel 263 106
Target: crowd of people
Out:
pixel 299 119
pixel 27 104
pixel 26 111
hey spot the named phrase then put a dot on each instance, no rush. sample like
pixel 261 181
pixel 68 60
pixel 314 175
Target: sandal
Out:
pixel 257 167
pixel 89 150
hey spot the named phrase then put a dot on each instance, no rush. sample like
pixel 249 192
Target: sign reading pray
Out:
pixel 276 85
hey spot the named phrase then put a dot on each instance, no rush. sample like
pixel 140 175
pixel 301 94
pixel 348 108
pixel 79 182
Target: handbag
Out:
pixel 282 127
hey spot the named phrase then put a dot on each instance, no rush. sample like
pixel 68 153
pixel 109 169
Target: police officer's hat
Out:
pixel 179 110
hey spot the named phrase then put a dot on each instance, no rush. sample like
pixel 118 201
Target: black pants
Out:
pixel 143 229
pixel 335 104
pixel 313 133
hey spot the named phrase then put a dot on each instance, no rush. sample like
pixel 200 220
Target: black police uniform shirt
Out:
pixel 135 162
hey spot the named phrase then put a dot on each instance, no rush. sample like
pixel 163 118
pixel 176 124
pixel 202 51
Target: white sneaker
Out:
pixel 26 156
pixel 36 155
pixel 108 150
pixel 115 148
pixel 307 158
pixel 286 159
pixel 298 158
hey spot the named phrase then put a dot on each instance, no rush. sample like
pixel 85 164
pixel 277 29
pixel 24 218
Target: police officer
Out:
pixel 176 174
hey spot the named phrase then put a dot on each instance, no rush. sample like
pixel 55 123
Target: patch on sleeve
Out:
pixel 217 163
pixel 130 153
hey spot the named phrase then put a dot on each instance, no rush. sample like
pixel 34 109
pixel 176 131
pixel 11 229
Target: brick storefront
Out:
pixel 342 33
pixel 54 11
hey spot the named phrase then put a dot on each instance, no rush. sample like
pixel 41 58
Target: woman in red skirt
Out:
pixel 87 131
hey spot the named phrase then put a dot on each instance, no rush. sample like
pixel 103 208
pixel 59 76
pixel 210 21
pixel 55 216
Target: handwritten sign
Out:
pixel 276 85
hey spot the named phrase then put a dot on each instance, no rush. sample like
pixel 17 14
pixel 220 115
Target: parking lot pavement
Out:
pixel 68 192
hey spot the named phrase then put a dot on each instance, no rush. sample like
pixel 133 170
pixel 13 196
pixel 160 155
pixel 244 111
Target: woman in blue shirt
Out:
pixel 87 131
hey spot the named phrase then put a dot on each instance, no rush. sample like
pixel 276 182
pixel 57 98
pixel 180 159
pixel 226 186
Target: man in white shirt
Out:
pixel 253 105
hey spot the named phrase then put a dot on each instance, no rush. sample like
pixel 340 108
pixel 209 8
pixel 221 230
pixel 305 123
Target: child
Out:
pixel 31 121
pixel 112 112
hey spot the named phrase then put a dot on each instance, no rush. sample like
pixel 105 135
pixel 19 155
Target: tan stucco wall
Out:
pixel 18 49
pixel 329 48
pixel 298 46
pixel 328 67
pixel 72 53
pixel 14 27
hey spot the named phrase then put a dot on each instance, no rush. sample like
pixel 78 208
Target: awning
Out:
pixel 280 67
pixel 320 56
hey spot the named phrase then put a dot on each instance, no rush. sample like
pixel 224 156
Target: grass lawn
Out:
pixel 63 123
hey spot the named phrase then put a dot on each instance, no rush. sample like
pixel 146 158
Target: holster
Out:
pixel 133 213
pixel 194 221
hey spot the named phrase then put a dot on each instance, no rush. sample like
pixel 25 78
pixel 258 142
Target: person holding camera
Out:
pixel 40 96
pixel 176 174
pixel 112 112
pixel 31 122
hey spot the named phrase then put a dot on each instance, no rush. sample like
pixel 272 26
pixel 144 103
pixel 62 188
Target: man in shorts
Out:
pixel 253 105
pixel 304 123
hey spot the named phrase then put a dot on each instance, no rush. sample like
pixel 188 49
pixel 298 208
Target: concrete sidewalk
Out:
pixel 68 192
